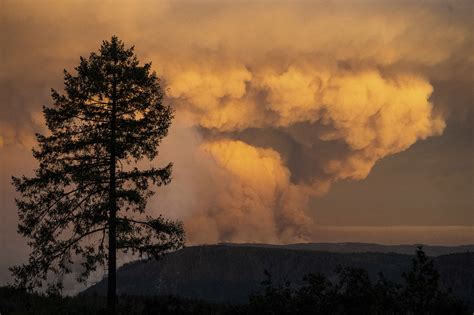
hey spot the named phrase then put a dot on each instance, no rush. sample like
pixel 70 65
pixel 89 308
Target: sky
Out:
pixel 299 121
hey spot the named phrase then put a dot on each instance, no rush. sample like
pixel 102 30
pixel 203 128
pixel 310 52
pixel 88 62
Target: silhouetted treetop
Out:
pixel 88 184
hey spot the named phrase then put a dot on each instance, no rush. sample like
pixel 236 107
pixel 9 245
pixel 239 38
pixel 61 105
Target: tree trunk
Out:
pixel 112 276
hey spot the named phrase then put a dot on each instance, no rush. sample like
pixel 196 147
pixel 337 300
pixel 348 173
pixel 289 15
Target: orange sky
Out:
pixel 295 121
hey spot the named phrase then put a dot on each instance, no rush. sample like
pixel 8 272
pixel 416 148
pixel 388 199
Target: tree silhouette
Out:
pixel 88 184
pixel 276 299
pixel 421 284
pixel 316 296
pixel 355 290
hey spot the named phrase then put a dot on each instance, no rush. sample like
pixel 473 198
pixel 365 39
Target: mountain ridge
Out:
pixel 357 247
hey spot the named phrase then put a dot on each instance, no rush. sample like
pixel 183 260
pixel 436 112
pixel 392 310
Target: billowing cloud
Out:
pixel 374 116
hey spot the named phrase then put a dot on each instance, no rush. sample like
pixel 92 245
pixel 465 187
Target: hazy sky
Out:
pixel 295 121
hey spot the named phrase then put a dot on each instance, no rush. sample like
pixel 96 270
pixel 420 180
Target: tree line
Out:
pixel 353 292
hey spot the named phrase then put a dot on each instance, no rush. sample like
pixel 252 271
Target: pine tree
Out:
pixel 88 184
pixel 421 284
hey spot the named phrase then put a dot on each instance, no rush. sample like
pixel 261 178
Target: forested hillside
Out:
pixel 230 273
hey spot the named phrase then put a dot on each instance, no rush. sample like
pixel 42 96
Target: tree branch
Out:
pixel 72 242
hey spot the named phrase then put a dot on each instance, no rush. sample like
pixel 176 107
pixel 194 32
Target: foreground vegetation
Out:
pixel 351 292
pixel 14 301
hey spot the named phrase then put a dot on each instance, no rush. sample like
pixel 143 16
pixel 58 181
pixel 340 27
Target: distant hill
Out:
pixel 366 248
pixel 223 273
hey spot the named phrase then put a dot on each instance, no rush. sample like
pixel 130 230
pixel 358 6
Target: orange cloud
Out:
pixel 357 77
pixel 254 198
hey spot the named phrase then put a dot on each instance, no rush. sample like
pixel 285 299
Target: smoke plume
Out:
pixel 275 102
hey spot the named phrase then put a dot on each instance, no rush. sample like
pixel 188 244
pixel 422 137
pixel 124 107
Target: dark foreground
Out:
pixel 312 299
pixel 14 301
pixel 351 292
